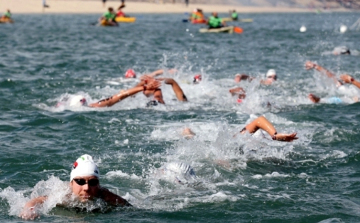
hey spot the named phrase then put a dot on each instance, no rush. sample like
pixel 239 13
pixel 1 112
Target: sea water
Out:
pixel 46 59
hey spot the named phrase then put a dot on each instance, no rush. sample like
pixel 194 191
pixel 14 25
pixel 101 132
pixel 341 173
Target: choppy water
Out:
pixel 45 58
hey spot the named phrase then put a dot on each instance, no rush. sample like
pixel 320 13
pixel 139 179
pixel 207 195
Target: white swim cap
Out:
pixel 84 166
pixel 180 169
pixel 77 101
pixel 270 73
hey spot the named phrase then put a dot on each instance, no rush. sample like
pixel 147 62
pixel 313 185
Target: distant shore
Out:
pixel 78 6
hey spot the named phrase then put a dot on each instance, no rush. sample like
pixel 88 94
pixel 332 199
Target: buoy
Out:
pixel 343 28
pixel 302 29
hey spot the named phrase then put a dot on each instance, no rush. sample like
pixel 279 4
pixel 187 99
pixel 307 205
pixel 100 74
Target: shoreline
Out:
pixel 96 7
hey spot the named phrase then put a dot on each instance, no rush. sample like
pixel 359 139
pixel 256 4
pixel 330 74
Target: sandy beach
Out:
pixel 80 6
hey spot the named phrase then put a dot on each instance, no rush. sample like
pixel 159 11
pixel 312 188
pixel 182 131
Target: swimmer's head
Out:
pixel 77 101
pixel 237 78
pixel 180 171
pixel 151 103
pixel 130 73
pixel 84 166
pixel 271 74
pixel 341 50
pixel 197 79
pixel 241 97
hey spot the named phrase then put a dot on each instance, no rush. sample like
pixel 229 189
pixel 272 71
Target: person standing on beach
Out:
pixel 104 3
pixel 45 5
pixel 187 3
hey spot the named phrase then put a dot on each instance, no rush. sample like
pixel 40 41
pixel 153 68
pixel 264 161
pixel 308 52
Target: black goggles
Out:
pixel 91 182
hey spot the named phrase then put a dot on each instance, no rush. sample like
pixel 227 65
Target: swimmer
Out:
pixel 157 93
pixel 84 185
pixel 270 77
pixel 197 79
pixel 341 50
pixel 146 85
pixel 79 100
pixel 264 124
pixel 331 100
pixel 178 172
pixel 239 77
pixel 187 133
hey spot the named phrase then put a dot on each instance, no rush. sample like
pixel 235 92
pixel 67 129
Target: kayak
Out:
pixel 200 21
pixel 125 19
pixel 228 19
pixel 106 23
pixel 227 29
pixel 6 20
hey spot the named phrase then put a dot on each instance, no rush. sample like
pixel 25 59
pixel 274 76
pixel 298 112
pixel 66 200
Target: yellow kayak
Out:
pixel 125 19
pixel 106 23
pixel 6 20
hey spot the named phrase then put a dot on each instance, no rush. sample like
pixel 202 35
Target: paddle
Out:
pixel 238 29
pixel 185 20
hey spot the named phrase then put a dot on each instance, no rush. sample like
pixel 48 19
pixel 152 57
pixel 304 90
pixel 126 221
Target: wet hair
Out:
pixel 151 103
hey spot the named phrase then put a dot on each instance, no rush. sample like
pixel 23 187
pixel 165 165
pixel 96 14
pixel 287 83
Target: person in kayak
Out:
pixel 197 16
pixel 234 15
pixel 84 188
pixel 108 18
pixel 7 15
pixel 215 22
pixel 120 13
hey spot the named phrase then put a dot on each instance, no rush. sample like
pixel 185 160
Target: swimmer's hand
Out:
pixel 310 65
pixel 29 213
pixel 347 78
pixel 285 137
pixel 30 210
pixel 152 84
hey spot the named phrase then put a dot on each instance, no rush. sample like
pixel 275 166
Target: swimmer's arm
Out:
pixel 264 124
pixel 350 80
pixel 311 65
pixel 246 77
pixel 160 72
pixel 113 199
pixel 176 88
pixel 236 90
pixel 29 211
pixel 117 97
pixel 153 84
